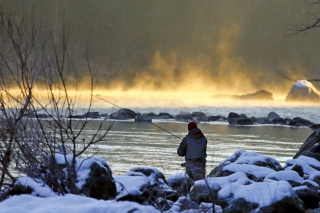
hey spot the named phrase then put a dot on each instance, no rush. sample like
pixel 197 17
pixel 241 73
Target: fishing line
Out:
pixel 134 113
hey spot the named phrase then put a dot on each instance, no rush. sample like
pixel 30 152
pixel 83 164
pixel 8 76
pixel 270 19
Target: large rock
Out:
pixel 262 197
pixel 207 190
pixel 257 166
pixel 303 91
pixel 143 118
pixel 297 121
pixel 200 116
pixel 164 115
pixel 100 183
pixel 150 184
pixel 123 114
pixel 260 95
pixel 309 197
pixel 184 116
pixel 311 146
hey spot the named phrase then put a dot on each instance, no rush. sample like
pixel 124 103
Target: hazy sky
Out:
pixel 185 44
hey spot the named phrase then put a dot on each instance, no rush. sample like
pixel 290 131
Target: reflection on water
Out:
pixel 130 144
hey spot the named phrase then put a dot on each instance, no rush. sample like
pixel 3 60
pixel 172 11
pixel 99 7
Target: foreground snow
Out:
pixel 70 204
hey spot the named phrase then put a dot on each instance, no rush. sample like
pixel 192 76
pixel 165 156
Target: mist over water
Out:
pixel 208 47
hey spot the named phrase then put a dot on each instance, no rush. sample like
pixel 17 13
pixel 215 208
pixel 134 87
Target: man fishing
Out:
pixel 194 148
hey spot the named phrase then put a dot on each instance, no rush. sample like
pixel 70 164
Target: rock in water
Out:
pixel 261 95
pixel 303 91
pixel 310 147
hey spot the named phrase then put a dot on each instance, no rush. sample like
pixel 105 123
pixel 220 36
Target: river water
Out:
pixel 130 144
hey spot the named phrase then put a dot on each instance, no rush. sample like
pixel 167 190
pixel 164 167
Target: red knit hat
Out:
pixel 192 125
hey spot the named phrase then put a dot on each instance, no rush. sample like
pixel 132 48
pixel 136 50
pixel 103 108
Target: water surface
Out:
pixel 130 144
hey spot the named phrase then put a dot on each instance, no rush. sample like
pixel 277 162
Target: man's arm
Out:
pixel 182 150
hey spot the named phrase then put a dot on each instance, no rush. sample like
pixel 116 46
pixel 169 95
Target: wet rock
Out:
pixel 217 118
pixel 123 114
pixel 184 116
pixel 272 116
pixel 297 121
pixel 164 115
pixel 241 121
pixel 310 146
pixel 152 115
pixel 76 116
pixel 143 118
pixel 303 91
pixel 200 116
pixel 279 121
pixel 233 115
pixel 315 126
pixel 92 115
pixel 263 121
pixel 104 115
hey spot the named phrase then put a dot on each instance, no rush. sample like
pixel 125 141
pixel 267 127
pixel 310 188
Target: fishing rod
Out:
pixel 133 112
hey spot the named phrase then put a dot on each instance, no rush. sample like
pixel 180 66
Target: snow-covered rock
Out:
pixel 303 90
pixel 180 182
pixel 207 190
pixel 253 164
pixel 151 185
pixel 260 197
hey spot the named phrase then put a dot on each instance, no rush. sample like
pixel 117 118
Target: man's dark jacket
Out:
pixel 194 145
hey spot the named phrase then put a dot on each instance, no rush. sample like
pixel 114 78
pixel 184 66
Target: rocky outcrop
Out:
pixel 261 95
pixel 184 116
pixel 143 118
pixel 311 147
pixel 303 91
pixel 123 114
pixel 200 116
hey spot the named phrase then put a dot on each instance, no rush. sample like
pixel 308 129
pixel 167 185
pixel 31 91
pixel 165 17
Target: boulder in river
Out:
pixel 143 118
pixel 184 116
pixel 200 116
pixel 261 95
pixel 303 91
pixel 123 114
pixel 311 147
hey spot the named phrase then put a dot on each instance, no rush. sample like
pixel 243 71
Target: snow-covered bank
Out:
pixel 243 182
pixel 70 204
